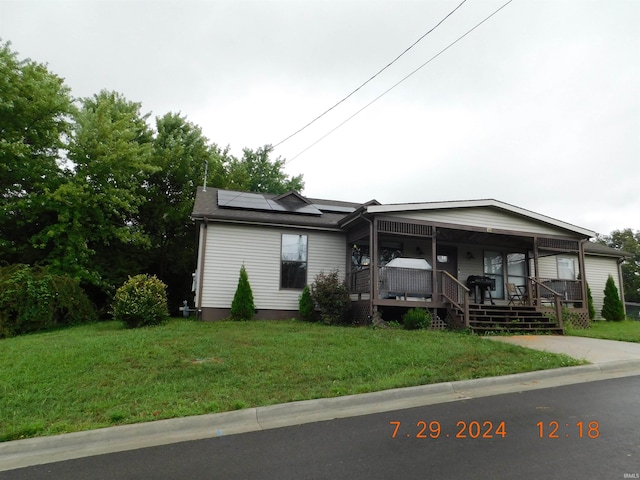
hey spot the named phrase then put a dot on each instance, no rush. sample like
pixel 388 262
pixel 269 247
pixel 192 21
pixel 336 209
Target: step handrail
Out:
pixel 556 296
pixel 461 288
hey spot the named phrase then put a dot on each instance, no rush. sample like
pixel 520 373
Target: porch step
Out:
pixel 509 318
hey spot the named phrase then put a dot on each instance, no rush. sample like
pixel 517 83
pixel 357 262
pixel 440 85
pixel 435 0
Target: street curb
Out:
pixel 35 451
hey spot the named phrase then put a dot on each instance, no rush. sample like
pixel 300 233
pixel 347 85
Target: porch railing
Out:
pixel 543 293
pixel 360 281
pixel 569 290
pixel 405 282
pixel 455 293
pixel 393 282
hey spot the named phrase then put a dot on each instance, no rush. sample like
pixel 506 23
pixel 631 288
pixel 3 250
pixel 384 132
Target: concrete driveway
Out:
pixel 591 349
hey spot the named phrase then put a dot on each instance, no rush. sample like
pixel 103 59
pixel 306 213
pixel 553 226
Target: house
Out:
pixel 480 264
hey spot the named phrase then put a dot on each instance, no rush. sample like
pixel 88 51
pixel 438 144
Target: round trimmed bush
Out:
pixel 141 301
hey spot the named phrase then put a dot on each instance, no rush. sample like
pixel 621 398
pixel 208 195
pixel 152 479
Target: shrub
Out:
pixel 612 307
pixel 416 318
pixel 141 301
pixel 242 306
pixel 305 305
pixel 331 297
pixel 33 299
pixel 592 309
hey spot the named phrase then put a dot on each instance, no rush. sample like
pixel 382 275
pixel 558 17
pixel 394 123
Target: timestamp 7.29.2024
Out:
pixel 463 429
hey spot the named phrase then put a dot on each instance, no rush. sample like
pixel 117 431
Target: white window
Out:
pixel 293 270
pixel 566 268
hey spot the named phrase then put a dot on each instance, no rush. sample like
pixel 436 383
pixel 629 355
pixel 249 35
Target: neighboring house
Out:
pixel 456 256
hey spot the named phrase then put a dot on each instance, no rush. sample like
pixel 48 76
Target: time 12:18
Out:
pixel 554 429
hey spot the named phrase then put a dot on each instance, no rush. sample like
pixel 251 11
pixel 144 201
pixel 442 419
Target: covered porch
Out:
pixel 480 278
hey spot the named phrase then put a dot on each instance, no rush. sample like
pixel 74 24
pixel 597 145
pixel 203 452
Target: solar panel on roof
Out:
pixel 257 201
pixel 242 200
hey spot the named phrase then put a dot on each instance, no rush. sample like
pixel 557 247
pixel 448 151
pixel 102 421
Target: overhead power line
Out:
pixel 371 78
pixel 399 82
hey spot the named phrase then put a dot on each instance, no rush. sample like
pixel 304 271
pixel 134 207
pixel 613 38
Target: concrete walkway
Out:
pixel 591 349
pixel 609 359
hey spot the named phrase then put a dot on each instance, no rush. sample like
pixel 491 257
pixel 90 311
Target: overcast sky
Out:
pixel 538 107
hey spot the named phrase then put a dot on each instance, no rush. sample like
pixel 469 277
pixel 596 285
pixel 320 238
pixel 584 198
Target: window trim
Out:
pixel 305 262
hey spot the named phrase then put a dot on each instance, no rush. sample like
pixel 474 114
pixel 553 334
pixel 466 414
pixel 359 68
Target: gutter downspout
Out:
pixel 621 280
pixel 201 254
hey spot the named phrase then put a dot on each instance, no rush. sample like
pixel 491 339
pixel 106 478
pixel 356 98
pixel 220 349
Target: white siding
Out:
pixel 258 248
pixel 549 265
pixel 598 270
pixel 484 217
pixel 470 266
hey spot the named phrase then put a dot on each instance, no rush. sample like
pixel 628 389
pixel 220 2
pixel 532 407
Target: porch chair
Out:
pixel 514 295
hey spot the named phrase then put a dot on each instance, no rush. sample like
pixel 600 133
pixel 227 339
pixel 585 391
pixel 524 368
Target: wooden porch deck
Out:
pixel 540 313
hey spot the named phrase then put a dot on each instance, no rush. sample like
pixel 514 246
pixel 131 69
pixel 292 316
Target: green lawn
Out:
pixel 627 330
pixel 102 374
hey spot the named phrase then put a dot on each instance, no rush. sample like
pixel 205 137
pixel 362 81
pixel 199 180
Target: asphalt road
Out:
pixel 597 426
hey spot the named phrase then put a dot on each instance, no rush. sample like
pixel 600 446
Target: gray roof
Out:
pixel 594 248
pixel 207 207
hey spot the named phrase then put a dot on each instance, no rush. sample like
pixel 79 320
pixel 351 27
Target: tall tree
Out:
pixel 256 172
pixel 180 152
pixel 97 230
pixel 628 241
pixel 35 114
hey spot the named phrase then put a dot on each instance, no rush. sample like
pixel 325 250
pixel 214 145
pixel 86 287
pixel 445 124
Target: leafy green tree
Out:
pixel 256 172
pixel 242 306
pixel 35 110
pixel 179 152
pixel 612 308
pixel 97 229
pixel 627 240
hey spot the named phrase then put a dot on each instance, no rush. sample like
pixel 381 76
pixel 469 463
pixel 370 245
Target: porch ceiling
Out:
pixel 481 238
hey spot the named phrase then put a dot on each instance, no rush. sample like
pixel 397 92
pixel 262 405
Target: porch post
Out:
pixel 374 265
pixel 348 270
pixel 583 275
pixel 434 263
pixel 536 274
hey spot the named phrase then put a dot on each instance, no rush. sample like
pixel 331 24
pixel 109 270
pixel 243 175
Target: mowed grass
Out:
pixel 102 374
pixel 626 330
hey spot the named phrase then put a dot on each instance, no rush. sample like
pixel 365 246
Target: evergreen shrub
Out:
pixel 141 301
pixel 306 307
pixel 612 307
pixel 331 297
pixel 33 299
pixel 592 309
pixel 242 306
pixel 416 318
